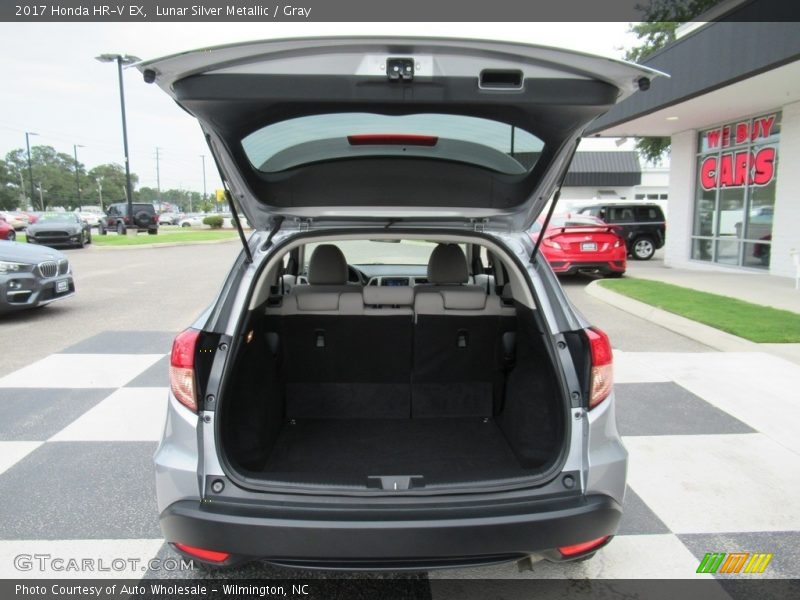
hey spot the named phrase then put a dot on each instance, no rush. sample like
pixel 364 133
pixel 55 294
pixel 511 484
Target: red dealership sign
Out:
pixel 740 167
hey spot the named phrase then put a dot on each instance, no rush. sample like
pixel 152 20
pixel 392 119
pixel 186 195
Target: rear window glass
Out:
pixel 648 213
pixel 316 138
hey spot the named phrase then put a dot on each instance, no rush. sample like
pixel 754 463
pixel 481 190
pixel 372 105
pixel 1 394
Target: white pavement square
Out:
pixel 716 483
pixel 127 415
pixel 13 452
pixel 70 559
pixel 80 371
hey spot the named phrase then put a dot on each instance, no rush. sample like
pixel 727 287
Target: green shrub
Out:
pixel 213 221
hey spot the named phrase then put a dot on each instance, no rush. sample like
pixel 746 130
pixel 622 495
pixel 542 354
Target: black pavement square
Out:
pixel 36 414
pixel 81 490
pixel 125 342
pixel 783 545
pixel 155 376
pixel 669 409
pixel 638 518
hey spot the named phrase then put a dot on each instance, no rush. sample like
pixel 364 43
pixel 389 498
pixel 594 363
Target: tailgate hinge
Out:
pixel 304 224
pixel 479 225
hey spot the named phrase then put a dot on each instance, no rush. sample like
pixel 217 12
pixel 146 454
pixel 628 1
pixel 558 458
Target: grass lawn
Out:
pixel 753 322
pixel 141 239
pixel 163 237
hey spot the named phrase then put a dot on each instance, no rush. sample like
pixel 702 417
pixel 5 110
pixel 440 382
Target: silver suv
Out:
pixel 391 376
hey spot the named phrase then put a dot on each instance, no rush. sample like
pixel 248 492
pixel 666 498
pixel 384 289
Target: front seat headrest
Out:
pixel 327 266
pixel 447 265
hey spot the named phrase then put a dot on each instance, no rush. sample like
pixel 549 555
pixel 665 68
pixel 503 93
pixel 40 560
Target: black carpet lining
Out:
pixel 348 451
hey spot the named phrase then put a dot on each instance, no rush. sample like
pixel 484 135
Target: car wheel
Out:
pixel 615 274
pixel 101 230
pixel 186 225
pixel 12 236
pixel 89 237
pixel 643 248
pixel 120 229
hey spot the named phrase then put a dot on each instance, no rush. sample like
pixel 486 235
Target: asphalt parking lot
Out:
pixel 83 384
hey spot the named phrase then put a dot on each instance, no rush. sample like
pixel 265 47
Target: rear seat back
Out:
pixel 346 349
pixel 456 338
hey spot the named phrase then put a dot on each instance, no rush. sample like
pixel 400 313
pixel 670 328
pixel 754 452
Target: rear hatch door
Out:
pixel 335 131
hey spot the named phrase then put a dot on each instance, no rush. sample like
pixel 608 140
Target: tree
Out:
pixel 53 175
pixel 111 179
pixel 11 197
pixel 662 18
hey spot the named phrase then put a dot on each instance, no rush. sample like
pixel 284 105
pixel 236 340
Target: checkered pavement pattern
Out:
pixel 713 441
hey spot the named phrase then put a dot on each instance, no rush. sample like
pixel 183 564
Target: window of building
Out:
pixel 737 166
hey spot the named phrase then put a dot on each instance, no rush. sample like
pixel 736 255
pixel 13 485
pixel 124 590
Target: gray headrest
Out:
pixel 447 265
pixel 327 266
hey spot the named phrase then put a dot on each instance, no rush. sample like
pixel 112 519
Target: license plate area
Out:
pixel 589 246
pixel 62 286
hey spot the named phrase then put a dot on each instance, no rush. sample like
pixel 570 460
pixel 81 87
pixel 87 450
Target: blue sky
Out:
pixel 52 85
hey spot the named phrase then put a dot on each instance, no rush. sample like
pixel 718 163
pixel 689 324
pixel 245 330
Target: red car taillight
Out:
pixel 181 368
pixel 551 243
pixel 203 553
pixel 583 547
pixel 602 376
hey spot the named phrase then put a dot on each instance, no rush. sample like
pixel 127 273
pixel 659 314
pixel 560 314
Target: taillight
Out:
pixel 602 376
pixel 551 243
pixel 181 368
pixel 203 553
pixel 583 547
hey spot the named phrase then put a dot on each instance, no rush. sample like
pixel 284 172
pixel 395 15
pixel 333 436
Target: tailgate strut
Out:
pixel 229 199
pixel 235 218
pixel 556 196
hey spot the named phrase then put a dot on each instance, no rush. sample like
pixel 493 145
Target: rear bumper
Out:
pixel 353 538
pixel 567 267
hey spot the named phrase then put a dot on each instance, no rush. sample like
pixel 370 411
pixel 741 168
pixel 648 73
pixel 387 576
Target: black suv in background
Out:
pixel 117 219
pixel 642 225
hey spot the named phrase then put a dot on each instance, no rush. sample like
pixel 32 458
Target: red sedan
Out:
pixel 582 243
pixel 7 231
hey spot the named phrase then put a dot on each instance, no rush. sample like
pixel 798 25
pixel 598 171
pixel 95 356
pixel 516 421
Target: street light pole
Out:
pixel 121 59
pixel 203 156
pixel 77 174
pixel 30 164
pixel 100 192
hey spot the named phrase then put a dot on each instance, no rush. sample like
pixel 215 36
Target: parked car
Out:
pixel 169 218
pixel 32 276
pixel 573 244
pixel 192 220
pixel 15 220
pixel 117 219
pixel 91 214
pixel 32 216
pixel 7 231
pixel 643 226
pixel 350 404
pixel 60 229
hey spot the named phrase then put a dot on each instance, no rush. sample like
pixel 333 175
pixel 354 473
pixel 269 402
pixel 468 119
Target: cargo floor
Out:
pixel 348 451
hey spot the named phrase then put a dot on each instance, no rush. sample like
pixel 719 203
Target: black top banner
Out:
pixel 362 10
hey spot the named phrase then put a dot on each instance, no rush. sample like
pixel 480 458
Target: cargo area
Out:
pixel 391 388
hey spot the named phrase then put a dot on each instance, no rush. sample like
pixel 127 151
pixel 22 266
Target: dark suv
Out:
pixel 145 218
pixel 641 225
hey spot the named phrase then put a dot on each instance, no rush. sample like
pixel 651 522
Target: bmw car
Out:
pixel 435 401
pixel 32 276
